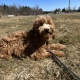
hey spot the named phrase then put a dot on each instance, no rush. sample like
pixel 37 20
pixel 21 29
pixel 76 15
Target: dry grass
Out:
pixel 68 33
pixel 10 24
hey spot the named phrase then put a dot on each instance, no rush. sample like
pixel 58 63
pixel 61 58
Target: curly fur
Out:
pixel 32 43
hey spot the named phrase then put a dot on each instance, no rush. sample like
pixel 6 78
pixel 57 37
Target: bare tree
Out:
pixel 20 10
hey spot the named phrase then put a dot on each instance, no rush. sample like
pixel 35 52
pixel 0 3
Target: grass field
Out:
pixel 67 28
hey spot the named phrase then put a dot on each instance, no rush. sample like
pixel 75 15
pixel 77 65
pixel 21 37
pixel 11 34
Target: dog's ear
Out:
pixel 53 36
pixel 36 25
pixel 52 32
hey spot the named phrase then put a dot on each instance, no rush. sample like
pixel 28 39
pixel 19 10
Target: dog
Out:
pixel 32 43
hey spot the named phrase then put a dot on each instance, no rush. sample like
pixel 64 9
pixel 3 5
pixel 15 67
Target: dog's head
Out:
pixel 44 26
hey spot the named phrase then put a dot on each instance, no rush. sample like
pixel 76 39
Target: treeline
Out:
pixel 26 10
pixel 66 10
pixel 19 10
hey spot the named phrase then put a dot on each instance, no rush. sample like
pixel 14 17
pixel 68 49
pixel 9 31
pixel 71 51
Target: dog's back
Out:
pixel 12 44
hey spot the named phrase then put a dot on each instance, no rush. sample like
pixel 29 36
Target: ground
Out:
pixel 67 28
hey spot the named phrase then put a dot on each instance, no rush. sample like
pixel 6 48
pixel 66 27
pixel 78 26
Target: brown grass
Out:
pixel 68 33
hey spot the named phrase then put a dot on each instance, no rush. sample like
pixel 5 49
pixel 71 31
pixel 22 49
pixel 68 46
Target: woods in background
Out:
pixel 19 10
pixel 26 10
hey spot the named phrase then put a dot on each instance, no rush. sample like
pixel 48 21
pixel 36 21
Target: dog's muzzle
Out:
pixel 47 30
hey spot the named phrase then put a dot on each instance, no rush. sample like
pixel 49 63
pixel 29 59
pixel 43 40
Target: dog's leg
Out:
pixel 58 53
pixel 40 55
pixel 56 46
pixel 5 56
pixel 46 54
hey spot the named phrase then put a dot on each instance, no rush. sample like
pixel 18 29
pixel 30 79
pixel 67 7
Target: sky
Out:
pixel 46 5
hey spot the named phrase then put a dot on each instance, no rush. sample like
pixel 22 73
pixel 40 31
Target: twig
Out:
pixel 63 66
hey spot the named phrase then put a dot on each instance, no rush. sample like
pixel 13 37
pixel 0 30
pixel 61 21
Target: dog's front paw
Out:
pixel 57 46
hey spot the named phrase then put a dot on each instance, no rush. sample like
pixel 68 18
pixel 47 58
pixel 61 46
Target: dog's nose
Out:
pixel 47 30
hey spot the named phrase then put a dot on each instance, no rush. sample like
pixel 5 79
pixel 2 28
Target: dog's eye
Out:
pixel 41 24
pixel 38 25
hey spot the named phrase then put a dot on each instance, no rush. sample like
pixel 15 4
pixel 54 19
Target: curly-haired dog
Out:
pixel 32 43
